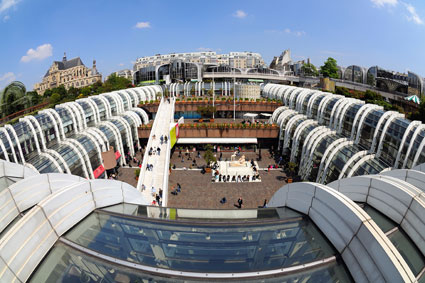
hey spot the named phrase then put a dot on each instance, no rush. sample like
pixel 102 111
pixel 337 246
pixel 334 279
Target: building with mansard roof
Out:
pixel 69 73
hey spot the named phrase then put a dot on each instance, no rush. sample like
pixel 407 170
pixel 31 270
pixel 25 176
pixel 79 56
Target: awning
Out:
pixel 266 114
pixel 250 115
pixel 98 171
pixel 414 99
pixel 216 140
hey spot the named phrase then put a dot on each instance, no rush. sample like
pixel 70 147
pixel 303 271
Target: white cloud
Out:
pixel 41 52
pixel 7 78
pixel 240 14
pixel 143 25
pixel 413 16
pixel 7 4
pixel 6 18
pixel 294 32
pixel 382 3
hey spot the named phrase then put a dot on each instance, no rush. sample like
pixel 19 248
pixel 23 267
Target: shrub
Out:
pixel 137 172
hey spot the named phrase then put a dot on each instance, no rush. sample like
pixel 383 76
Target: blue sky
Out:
pixel 388 33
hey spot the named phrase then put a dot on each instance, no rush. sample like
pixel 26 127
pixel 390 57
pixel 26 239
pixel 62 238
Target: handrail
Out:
pixel 7 118
pixel 145 157
pixel 167 159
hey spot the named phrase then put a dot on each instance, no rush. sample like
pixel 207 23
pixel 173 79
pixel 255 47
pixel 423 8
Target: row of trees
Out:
pixel 60 94
pixel 328 70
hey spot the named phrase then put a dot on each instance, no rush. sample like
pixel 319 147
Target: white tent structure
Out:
pixel 414 99
pixel 251 116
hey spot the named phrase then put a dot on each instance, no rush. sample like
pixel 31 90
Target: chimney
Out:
pixel 64 57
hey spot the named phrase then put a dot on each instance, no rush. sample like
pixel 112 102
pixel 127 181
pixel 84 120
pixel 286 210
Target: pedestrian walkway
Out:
pixel 157 154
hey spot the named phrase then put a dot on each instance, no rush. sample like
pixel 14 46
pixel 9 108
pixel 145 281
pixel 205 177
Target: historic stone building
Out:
pixel 69 73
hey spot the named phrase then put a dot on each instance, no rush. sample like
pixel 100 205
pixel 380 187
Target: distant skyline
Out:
pixel 387 33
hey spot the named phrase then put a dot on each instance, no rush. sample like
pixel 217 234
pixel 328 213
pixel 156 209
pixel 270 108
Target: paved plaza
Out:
pixel 199 192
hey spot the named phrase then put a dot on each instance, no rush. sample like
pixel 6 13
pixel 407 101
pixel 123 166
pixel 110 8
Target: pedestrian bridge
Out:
pixel 151 181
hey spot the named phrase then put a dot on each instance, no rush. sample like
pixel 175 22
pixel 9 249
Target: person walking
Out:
pixel 240 203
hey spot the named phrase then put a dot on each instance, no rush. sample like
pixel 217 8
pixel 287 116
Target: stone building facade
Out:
pixel 69 73
pixel 251 91
pixel 232 59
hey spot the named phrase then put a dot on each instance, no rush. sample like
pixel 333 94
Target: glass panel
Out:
pixel 64 264
pixel 203 248
pixel 381 220
pixel 408 250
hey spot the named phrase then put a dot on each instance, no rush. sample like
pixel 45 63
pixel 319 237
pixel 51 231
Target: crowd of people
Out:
pixel 256 122
pixel 235 178
pixel 155 151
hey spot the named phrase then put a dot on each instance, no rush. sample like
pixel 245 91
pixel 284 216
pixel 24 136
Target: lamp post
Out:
pixel 234 96
pixel 213 93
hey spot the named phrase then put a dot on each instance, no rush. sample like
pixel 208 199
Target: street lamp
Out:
pixel 213 93
pixel 234 96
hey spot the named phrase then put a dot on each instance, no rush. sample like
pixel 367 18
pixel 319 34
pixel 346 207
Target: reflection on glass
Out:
pixel 221 247
pixel 64 264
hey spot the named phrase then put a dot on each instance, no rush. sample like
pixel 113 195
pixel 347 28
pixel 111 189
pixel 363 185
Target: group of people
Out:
pixel 154 151
pixel 239 203
pixel 176 190
pixel 157 197
pixel 149 167
pixel 235 178
pixel 256 122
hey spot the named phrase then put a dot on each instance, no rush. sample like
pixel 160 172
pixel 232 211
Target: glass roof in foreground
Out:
pixel 406 247
pixel 110 246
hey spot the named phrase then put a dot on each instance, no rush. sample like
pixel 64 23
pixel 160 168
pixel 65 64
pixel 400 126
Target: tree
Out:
pixel 48 93
pixel 330 69
pixel 115 83
pixel 420 114
pixel 34 98
pixel 206 111
pixel 292 166
pixel 209 156
pixel 55 98
pixel 309 69
pixel 85 91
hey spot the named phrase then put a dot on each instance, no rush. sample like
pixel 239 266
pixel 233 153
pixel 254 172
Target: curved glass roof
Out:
pixel 401 241
pixel 107 244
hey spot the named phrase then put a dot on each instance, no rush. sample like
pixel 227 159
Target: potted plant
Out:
pixel 209 157
pixel 137 173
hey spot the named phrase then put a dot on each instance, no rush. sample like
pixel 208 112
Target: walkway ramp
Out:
pixel 157 178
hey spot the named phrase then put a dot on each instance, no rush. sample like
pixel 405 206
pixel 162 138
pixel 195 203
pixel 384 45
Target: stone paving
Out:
pixel 199 192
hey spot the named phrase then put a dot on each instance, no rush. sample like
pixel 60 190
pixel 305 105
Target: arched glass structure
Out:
pixel 71 137
pixel 333 137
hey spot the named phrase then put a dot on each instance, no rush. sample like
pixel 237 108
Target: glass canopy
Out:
pixel 108 245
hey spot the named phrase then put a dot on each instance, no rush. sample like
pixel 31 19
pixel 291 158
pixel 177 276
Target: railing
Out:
pixel 10 117
pixel 167 161
pixel 145 157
